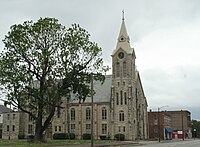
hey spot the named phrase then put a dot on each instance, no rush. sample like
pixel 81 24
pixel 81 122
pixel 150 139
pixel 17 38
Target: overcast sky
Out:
pixel 164 33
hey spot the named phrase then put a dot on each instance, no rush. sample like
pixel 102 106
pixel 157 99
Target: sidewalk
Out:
pixel 111 144
pixel 121 143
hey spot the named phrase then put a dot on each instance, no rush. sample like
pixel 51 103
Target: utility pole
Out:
pixel 182 124
pixel 158 124
pixel 92 105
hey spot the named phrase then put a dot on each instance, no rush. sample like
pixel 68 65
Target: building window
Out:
pixel 124 69
pixel 125 98
pixel 72 128
pixel 156 121
pixel 13 116
pixel 88 114
pixel 30 129
pixel 88 128
pixel 56 129
pixel 121 97
pixel 104 128
pixel 72 114
pixel 124 129
pixel 59 128
pixel 121 115
pixel 119 129
pixel 8 116
pixel 58 112
pixel 117 98
pixel 30 118
pixel 8 128
pixel 13 128
pixel 104 113
pixel 117 69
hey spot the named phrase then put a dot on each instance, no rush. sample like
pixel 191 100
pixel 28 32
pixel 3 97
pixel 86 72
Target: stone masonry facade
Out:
pixel 120 105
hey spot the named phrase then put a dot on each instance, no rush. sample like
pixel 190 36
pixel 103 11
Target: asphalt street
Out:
pixel 190 143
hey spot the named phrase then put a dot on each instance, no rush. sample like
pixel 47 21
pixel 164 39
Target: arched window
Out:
pixel 121 97
pixel 104 113
pixel 117 69
pixel 72 114
pixel 121 115
pixel 125 98
pixel 88 113
pixel 124 69
pixel 117 98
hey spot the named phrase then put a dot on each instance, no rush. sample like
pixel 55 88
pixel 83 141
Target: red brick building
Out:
pixel 169 124
pixel 159 125
pixel 182 124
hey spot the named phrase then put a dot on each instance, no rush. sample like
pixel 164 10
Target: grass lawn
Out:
pixel 50 143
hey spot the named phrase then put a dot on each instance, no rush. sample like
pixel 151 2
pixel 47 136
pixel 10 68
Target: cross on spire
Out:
pixel 123 15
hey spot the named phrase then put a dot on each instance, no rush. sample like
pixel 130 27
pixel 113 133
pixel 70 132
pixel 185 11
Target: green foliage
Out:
pixel 86 136
pixel 30 138
pixel 50 143
pixel 71 136
pixel 103 137
pixel 21 136
pixel 119 137
pixel 42 62
pixel 60 136
pixel 195 128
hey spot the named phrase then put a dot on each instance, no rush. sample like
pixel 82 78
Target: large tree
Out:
pixel 195 128
pixel 42 62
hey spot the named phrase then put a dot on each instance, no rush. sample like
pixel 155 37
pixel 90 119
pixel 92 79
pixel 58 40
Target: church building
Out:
pixel 120 105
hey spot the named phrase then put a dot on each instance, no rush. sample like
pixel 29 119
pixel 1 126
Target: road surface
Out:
pixel 189 143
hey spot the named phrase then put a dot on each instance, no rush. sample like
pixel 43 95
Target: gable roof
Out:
pixel 4 109
pixel 102 91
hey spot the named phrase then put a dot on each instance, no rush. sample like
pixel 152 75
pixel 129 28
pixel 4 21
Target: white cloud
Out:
pixel 169 47
pixel 165 36
pixel 178 88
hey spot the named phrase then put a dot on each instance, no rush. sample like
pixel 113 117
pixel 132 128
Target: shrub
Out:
pixel 119 136
pixel 70 136
pixel 103 137
pixel 60 136
pixel 30 138
pixel 21 136
pixel 86 136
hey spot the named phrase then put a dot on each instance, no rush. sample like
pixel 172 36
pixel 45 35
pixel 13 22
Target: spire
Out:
pixel 123 39
pixel 123 36
pixel 122 15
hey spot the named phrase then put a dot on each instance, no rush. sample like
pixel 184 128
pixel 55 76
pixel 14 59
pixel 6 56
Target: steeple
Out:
pixel 123 41
pixel 123 35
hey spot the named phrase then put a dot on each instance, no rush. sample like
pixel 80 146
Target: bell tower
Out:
pixel 123 101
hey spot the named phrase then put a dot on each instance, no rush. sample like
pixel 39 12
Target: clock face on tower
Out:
pixel 121 55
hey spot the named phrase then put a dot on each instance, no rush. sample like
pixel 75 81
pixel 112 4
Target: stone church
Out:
pixel 120 105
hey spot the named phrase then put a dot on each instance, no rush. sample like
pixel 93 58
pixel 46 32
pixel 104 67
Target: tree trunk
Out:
pixel 68 117
pixel 39 137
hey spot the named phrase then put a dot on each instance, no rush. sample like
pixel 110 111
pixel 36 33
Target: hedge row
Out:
pixel 61 136
pixel 119 136
pixel 86 136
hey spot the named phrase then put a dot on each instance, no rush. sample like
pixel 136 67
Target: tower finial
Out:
pixel 123 15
